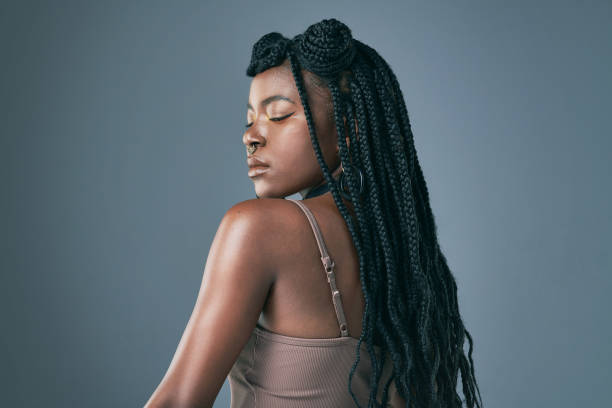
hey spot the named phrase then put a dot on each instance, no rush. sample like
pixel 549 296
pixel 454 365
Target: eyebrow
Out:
pixel 271 99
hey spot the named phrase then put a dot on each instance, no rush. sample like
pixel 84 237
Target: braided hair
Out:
pixel 411 308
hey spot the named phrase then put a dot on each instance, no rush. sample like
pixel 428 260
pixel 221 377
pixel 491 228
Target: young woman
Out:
pixel 343 298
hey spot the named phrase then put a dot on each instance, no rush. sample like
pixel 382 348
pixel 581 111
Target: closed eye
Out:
pixel 248 125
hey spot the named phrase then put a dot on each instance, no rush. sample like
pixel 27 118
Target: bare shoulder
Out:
pixel 278 215
pixel 256 207
pixel 263 214
pixel 267 223
pixel 254 219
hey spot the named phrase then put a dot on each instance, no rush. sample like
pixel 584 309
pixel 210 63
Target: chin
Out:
pixel 267 190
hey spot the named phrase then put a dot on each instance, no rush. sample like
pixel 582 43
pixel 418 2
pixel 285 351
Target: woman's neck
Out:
pixel 335 175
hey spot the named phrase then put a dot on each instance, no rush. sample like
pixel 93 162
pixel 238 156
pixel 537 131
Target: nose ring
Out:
pixel 251 148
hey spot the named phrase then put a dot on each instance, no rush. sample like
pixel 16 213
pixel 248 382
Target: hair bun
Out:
pixel 325 48
pixel 270 50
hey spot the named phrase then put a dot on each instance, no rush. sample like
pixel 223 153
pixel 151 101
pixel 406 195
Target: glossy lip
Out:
pixel 256 166
pixel 257 170
pixel 254 161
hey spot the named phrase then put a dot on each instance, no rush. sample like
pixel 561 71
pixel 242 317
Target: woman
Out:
pixel 343 298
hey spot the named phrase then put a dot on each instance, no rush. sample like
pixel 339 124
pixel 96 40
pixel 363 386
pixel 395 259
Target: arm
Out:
pixel 237 277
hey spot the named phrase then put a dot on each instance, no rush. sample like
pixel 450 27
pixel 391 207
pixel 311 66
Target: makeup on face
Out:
pixel 267 101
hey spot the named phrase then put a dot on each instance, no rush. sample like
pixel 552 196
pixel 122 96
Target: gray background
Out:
pixel 121 150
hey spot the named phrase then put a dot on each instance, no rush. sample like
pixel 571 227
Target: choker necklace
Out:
pixel 324 188
pixel 317 191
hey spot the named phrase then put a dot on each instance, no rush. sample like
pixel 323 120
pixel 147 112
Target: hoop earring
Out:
pixel 341 181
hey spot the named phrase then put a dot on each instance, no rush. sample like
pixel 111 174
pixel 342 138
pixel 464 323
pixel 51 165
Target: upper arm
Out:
pixel 236 280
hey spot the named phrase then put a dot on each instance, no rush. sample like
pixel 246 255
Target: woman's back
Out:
pixel 278 370
pixel 299 304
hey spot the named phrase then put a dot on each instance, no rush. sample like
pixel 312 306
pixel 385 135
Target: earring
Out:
pixel 342 181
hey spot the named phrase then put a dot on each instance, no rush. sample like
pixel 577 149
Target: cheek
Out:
pixel 293 149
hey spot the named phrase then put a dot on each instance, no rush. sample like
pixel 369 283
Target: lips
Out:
pixel 257 170
pixel 256 166
pixel 253 161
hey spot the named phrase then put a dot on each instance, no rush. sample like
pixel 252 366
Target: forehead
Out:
pixel 271 81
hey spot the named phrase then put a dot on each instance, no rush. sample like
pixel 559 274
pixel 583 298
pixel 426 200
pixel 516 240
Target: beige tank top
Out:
pixel 274 370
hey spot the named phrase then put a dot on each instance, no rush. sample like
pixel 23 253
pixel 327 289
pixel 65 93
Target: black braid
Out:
pixel 411 308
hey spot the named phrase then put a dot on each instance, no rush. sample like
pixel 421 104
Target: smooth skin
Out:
pixel 264 265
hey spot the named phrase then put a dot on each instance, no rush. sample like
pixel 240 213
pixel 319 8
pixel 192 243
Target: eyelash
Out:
pixel 248 125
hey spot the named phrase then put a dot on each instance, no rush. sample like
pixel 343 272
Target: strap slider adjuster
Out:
pixel 328 263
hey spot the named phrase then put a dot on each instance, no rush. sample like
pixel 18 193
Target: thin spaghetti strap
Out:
pixel 328 264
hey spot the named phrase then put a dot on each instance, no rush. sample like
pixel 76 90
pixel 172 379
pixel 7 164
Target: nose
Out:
pixel 252 136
